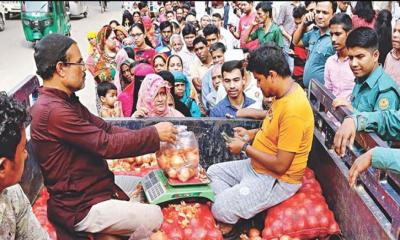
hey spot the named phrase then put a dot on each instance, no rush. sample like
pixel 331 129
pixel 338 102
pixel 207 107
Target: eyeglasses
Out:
pixel 81 63
pixel 136 35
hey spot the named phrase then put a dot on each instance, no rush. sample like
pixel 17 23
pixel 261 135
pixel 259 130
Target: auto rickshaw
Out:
pixel 40 18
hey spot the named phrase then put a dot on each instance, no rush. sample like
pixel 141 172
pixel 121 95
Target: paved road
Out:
pixel 16 54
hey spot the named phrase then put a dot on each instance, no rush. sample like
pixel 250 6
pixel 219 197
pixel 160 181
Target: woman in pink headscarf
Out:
pixel 153 96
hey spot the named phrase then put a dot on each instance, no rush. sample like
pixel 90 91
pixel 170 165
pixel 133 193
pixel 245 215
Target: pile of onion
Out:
pixel 133 163
pixel 181 164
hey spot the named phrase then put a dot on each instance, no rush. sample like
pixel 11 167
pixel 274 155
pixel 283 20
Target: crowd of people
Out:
pixel 248 60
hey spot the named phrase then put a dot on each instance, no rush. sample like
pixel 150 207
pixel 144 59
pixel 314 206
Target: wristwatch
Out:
pixel 244 148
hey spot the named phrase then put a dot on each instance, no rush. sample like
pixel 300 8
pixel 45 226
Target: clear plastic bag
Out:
pixel 180 160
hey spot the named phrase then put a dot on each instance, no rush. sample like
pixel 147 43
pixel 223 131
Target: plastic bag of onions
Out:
pixel 180 160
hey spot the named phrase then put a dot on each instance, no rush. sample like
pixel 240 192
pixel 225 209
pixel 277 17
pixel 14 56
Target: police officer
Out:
pixel 386 124
pixel 374 89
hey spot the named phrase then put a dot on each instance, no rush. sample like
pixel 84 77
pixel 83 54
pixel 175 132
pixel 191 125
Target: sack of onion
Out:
pixel 189 221
pixel 305 215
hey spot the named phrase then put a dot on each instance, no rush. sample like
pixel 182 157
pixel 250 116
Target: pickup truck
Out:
pixel 369 211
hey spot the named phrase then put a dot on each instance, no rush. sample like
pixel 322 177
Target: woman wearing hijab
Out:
pixel 120 35
pixel 182 92
pixel 129 96
pixel 152 100
pixel 101 63
pixel 160 62
pixel 173 101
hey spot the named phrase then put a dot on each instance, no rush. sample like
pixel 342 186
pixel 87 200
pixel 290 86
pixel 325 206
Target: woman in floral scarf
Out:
pixel 101 63
pixel 152 101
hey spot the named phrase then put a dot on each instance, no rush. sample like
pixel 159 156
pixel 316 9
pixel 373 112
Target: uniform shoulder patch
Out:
pixel 383 103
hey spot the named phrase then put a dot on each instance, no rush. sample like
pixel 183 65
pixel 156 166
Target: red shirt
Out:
pixel 244 25
pixel 70 145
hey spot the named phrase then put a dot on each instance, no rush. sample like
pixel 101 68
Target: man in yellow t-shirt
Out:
pixel 278 155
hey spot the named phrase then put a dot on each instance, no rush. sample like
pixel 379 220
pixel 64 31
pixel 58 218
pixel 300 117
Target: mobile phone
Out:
pixel 226 137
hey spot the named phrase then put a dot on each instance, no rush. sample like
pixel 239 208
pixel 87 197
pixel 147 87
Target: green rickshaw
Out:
pixel 40 18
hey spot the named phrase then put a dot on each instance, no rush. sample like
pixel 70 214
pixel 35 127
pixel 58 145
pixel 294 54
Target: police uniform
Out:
pixel 387 125
pixel 377 93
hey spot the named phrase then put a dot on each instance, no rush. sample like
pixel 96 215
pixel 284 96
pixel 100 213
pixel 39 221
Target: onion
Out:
pixel 176 161
pixel 139 160
pixel 184 174
pixel 171 172
pixel 163 162
pixel 192 157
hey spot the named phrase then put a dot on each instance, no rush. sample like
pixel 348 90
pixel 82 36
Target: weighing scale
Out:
pixel 158 189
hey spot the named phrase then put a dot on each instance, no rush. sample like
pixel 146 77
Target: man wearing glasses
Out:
pixel 71 144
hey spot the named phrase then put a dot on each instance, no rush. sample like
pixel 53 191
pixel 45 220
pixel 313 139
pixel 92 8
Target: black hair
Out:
pixel 299 11
pixel 104 87
pixel 210 29
pixel 364 10
pixel 199 39
pixel 159 56
pixel 134 13
pixel 141 27
pixel 217 46
pixel 186 6
pixel 363 37
pixel 268 57
pixel 265 7
pixel 13 117
pixel 138 25
pixel 165 25
pixel 167 76
pixel 333 5
pixel 174 55
pixel 306 3
pixel 129 51
pixel 383 27
pixel 142 4
pixel 166 13
pixel 217 15
pixel 188 29
pixel 47 73
pixel 232 65
pixel 192 12
pixel 127 15
pixel 342 19
pixel 114 21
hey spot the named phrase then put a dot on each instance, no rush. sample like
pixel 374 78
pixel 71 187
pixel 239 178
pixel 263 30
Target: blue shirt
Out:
pixel 319 49
pixel 378 92
pixel 225 107
pixel 206 88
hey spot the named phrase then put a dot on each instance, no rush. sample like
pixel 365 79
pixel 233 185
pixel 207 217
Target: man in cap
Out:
pixel 71 144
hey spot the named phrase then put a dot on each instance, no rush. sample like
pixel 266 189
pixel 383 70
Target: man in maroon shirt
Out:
pixel 71 144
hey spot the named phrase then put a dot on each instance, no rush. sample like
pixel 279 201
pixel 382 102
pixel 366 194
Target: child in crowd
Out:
pixel 110 107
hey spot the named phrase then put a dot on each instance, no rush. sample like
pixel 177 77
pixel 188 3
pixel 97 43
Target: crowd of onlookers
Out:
pixel 175 63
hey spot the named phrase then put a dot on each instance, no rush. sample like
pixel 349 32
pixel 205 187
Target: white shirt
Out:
pixel 17 220
pixel 252 91
pixel 228 38
pixel 188 59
